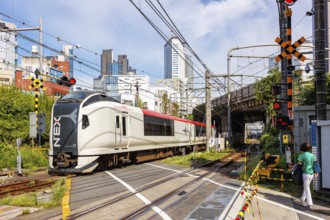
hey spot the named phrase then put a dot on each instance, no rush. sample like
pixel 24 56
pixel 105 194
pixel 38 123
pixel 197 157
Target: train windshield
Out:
pixel 74 97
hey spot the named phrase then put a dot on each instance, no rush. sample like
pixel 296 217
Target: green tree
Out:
pixel 14 114
pixel 307 95
pixel 264 91
pixel 140 103
pixel 175 109
pixel 165 103
pixel 199 112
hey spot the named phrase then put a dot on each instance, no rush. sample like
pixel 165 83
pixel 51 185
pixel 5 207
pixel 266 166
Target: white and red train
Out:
pixel 90 130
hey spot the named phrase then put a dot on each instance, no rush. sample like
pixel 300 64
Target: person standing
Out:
pixel 306 159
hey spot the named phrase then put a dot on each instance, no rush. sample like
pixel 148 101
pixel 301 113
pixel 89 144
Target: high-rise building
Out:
pixel 106 62
pixel 123 65
pixel 174 59
pixel 8 51
pixel 111 67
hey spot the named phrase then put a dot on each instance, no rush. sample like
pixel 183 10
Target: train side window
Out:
pixel 124 125
pixel 117 121
pixel 154 126
pixel 85 121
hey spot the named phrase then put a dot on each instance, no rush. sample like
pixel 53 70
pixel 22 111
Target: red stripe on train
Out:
pixel 170 117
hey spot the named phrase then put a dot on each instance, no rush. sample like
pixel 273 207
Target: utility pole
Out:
pixel 320 83
pixel 37 90
pixel 228 101
pixel 137 94
pixel 208 108
pixel 40 45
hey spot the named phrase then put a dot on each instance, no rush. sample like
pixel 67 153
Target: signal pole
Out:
pixel 137 94
pixel 287 50
pixel 208 108
pixel 320 83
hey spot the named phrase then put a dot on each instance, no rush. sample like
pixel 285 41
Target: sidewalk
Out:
pixel 270 204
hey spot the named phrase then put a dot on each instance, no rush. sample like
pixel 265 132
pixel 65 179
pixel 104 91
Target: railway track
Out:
pixel 22 185
pixel 210 167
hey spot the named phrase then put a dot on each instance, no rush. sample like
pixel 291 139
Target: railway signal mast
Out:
pixel 284 122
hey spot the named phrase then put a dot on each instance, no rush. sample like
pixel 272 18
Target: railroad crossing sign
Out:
pixel 290 49
pixel 36 83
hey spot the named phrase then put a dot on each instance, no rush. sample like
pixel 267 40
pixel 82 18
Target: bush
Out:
pixel 31 157
pixel 8 156
pixel 268 141
pixel 15 106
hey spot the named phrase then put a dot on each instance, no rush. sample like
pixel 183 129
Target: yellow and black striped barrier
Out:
pixel 264 173
pixel 246 205
pixel 252 179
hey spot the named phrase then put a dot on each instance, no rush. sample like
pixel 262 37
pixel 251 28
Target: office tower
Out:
pixel 174 59
pixel 106 62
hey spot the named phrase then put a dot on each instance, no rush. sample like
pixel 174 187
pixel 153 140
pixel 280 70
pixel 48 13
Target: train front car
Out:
pixel 63 152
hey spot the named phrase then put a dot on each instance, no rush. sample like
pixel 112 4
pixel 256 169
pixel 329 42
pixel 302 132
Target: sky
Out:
pixel 211 27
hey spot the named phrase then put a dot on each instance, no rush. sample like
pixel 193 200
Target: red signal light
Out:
pixel 65 81
pixel 276 105
pixel 281 122
pixel 289 2
pixel 72 81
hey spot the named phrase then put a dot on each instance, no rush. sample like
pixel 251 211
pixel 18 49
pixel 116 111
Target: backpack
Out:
pixel 297 175
pixel 317 168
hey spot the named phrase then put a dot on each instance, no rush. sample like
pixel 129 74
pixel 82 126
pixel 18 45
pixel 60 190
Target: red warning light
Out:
pixel 289 2
pixel 72 81
pixel 276 105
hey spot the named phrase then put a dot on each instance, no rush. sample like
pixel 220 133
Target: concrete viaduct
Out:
pixel 244 109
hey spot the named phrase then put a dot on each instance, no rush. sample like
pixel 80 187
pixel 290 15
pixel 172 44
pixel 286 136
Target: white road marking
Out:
pixel 192 175
pixel 238 189
pixel 140 196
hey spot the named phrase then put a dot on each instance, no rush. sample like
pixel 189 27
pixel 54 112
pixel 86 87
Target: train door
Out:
pixel 190 130
pixel 122 131
pixel 125 130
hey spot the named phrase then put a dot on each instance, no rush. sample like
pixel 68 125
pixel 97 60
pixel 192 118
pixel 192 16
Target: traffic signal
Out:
pixel 281 122
pixel 289 2
pixel 277 105
pixel 65 81
pixel 41 122
pixel 276 90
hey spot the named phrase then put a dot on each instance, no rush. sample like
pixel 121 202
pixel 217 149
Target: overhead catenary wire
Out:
pixel 49 34
pixel 80 61
pixel 162 34
pixel 165 37
pixel 30 53
pixel 185 42
pixel 34 55
pixel 76 59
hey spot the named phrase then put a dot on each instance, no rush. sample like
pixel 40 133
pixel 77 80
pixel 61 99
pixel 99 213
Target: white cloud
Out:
pixel 211 28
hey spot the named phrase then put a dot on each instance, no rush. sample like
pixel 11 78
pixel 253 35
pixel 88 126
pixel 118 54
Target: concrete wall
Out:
pixel 325 152
pixel 302 121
